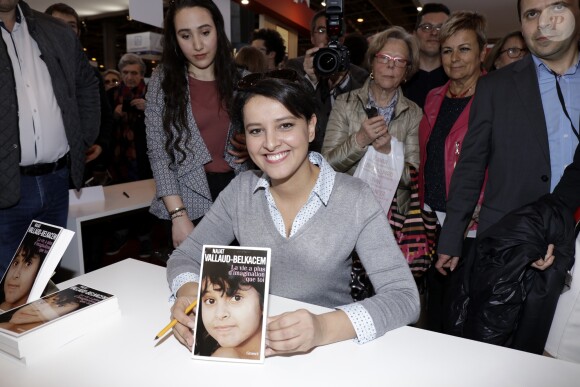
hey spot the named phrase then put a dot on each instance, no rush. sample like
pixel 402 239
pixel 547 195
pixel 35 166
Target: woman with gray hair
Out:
pixel 369 116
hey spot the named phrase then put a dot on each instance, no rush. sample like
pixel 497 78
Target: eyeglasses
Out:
pixel 252 80
pixel 514 52
pixel 427 27
pixel 320 30
pixel 386 59
pixel 109 81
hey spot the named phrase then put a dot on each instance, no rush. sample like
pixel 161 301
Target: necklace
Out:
pixel 459 95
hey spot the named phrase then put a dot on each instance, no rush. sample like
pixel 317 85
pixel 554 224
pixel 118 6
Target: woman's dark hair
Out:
pixel 251 59
pixel 175 85
pixel 294 95
pixel 219 274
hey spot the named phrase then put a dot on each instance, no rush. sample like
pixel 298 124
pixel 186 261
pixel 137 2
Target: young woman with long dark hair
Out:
pixel 190 137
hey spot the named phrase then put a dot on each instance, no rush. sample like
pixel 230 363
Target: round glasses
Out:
pixel 386 59
pixel 514 52
pixel 428 27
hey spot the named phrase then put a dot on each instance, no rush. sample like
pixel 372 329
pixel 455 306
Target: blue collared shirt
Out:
pixel 561 138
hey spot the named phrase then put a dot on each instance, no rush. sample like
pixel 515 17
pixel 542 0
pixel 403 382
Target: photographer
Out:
pixel 328 87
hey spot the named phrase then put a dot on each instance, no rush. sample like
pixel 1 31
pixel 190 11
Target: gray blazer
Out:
pixel 188 179
pixel 507 134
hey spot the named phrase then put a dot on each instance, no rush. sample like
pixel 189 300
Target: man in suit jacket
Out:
pixel 518 129
pixel 326 89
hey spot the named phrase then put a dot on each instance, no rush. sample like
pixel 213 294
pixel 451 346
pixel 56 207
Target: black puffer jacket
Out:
pixel 505 301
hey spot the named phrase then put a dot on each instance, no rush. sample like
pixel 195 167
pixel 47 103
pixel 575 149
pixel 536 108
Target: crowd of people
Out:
pixel 257 149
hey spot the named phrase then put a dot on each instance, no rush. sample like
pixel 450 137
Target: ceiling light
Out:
pixel 245 2
pixel 360 20
pixel 419 9
pixel 323 4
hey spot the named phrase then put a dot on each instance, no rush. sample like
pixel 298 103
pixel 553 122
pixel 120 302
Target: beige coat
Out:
pixel 341 150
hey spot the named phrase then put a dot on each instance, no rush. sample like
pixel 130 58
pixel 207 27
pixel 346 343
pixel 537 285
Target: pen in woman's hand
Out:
pixel 174 321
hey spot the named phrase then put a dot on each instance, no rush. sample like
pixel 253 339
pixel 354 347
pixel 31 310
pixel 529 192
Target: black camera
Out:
pixel 335 57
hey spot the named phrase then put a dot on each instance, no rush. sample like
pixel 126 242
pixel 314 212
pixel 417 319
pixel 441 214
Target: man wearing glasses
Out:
pixel 430 74
pixel 329 88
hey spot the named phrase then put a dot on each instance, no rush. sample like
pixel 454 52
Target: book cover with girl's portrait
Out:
pixel 232 304
pixel 33 264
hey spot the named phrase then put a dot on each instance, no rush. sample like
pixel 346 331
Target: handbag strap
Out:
pixel 415 203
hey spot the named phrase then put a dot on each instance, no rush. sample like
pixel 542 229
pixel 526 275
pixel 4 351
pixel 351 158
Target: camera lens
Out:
pixel 326 61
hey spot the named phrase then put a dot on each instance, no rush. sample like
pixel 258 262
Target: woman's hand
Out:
pixel 383 144
pixel 292 332
pixel 370 130
pixel 180 229
pixel 301 331
pixel 185 324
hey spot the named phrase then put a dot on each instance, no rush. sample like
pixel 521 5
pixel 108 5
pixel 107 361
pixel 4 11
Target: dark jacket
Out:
pixel 75 89
pixel 568 188
pixel 358 77
pixel 509 303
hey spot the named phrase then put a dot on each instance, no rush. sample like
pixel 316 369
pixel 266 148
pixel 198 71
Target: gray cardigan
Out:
pixel 313 265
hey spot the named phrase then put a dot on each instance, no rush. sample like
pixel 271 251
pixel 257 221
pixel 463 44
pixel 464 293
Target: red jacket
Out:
pixel 453 142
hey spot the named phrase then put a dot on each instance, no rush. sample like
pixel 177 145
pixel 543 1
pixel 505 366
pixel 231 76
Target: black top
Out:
pixel 417 88
pixel 435 193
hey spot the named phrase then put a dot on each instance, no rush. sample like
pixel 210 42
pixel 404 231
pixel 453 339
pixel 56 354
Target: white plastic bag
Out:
pixel 382 172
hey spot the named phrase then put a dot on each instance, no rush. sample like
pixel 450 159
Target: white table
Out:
pixel 123 352
pixel 140 194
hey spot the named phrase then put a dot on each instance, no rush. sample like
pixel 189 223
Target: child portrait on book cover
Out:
pixel 38 312
pixel 17 283
pixel 231 314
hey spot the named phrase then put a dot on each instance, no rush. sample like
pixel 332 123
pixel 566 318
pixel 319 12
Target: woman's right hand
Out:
pixel 183 330
pixel 180 229
pixel 370 130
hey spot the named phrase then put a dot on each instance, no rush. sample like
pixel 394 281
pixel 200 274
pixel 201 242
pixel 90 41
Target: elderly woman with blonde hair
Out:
pixel 369 116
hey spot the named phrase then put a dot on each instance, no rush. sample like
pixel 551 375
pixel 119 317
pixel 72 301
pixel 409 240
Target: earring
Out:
pixel 372 76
